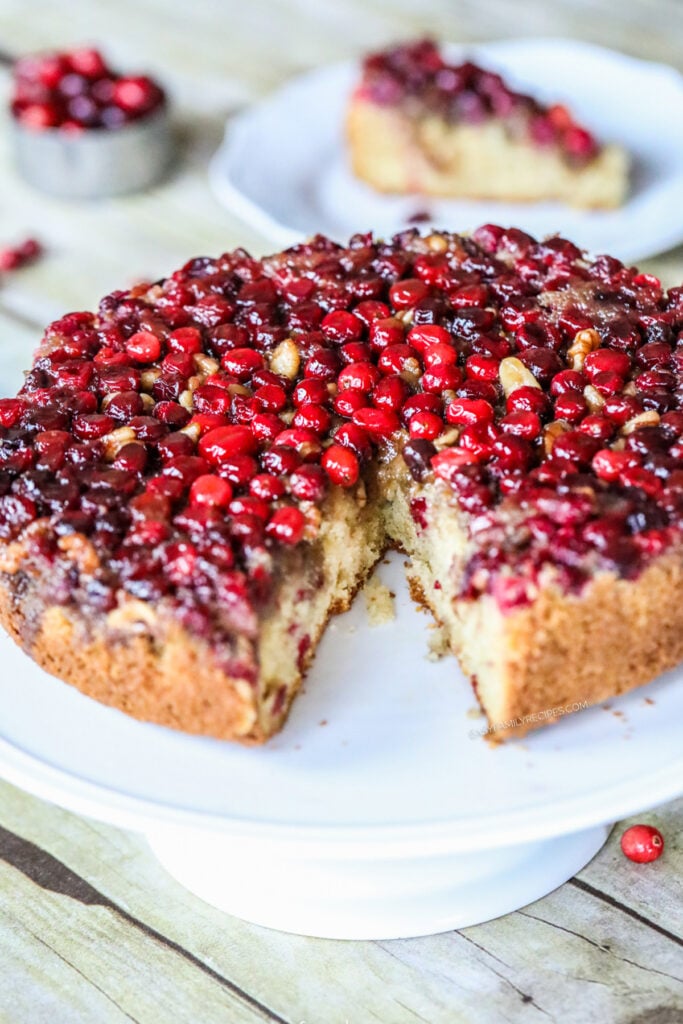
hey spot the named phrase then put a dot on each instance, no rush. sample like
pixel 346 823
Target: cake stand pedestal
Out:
pixel 344 894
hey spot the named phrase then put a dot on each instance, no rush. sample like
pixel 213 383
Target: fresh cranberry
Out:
pixel 425 425
pixel 468 411
pixel 267 487
pixel 386 332
pixel 405 294
pixel 136 95
pixel 342 326
pixel 308 483
pixel 224 442
pixel 210 490
pixel 379 423
pixel 642 843
pixel 242 362
pixel 341 465
pixel 144 347
pixel 359 376
pixel 287 525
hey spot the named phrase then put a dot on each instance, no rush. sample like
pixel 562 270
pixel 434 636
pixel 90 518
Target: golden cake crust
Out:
pixel 174 684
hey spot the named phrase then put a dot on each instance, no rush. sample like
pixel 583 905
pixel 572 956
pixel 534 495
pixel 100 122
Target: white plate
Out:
pixel 377 765
pixel 283 165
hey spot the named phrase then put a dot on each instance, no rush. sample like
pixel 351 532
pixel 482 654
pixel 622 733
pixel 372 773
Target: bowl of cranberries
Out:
pixel 84 131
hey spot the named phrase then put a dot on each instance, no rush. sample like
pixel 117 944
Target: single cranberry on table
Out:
pixel 83 130
pixel 12 257
pixel 642 843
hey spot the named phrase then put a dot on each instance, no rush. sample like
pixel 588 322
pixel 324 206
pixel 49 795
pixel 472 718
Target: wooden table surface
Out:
pixel 91 929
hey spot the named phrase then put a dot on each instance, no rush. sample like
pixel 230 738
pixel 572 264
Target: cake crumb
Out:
pixel 379 602
pixel 474 712
pixel 437 643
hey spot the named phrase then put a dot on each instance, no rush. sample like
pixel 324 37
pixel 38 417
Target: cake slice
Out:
pixel 194 478
pixel 417 124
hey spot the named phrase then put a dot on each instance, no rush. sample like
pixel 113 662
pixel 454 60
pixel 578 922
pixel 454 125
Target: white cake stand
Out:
pixel 379 812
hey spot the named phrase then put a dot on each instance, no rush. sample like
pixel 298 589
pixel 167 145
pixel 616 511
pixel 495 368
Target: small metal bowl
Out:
pixel 98 162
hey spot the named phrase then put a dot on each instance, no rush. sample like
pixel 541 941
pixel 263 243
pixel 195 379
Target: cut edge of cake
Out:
pixel 399 154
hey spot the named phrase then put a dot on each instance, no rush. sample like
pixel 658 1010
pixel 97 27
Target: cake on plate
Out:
pixel 196 476
pixel 417 124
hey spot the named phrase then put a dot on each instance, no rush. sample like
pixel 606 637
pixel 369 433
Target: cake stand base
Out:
pixel 345 894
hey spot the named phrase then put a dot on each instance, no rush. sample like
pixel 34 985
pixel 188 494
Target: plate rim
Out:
pixel 83 796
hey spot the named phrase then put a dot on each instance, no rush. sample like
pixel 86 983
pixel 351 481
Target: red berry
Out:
pixel 143 347
pixel 449 461
pixel 242 362
pixel 388 331
pixel 267 487
pixel 421 403
pixel 390 393
pixel 522 424
pixel 271 397
pixel 609 464
pixel 379 423
pixel 39 115
pixel 266 426
pixel 89 63
pixel 642 843
pixel 469 410
pixel 342 326
pixel 481 368
pixel 341 465
pixel 185 339
pixel 360 376
pixel 440 355
pixel 347 402
pixel 10 411
pixel 210 490
pixel 406 294
pixel 137 95
pixel 424 336
pixel 441 378
pixel 312 417
pixel 308 483
pixel 425 424
pixel 287 525
pixel 310 390
pixel 224 442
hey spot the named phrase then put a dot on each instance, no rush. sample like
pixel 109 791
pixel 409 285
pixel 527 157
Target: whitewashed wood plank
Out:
pixel 138 977
pixel 434 978
pixel 39 987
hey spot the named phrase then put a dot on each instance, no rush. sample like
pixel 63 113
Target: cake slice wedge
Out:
pixel 417 124
pixel 196 476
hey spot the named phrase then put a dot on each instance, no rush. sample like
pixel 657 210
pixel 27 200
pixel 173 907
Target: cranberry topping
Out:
pixel 77 90
pixel 419 77
pixel 188 430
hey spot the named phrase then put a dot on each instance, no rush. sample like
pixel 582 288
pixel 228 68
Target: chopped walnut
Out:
pixel 594 400
pixel 514 374
pixel 285 359
pixel 647 418
pixel 551 434
pixel 584 342
pixel 115 441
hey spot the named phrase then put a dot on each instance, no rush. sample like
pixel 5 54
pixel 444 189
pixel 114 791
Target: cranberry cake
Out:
pixel 419 124
pixel 195 477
